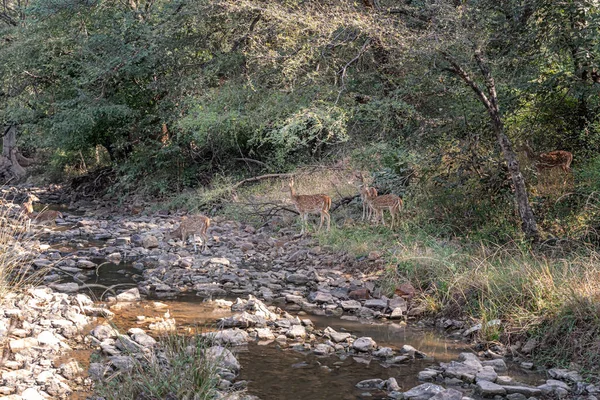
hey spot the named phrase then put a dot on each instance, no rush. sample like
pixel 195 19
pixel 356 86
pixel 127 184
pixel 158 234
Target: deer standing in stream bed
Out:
pixel 190 226
pixel 311 204
pixel 42 217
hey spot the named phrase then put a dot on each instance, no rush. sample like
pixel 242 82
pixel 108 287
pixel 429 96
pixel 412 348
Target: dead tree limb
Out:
pixel 260 178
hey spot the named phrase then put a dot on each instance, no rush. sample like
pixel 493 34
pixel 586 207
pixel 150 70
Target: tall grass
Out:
pixel 555 298
pixel 178 370
pixel 15 255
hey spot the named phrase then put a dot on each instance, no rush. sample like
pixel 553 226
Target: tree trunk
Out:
pixel 9 164
pixel 490 101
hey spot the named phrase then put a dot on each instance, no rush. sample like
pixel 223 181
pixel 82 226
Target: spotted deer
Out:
pixel 366 192
pixel 42 217
pixel 311 204
pixel 191 225
pixel 389 202
pixel 552 159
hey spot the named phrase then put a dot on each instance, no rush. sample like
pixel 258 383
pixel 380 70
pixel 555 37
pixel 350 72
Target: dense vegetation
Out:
pixel 174 93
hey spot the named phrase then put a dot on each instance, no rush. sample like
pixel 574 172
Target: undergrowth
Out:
pixel 555 298
pixel 179 370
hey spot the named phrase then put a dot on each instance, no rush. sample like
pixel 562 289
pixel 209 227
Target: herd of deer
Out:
pixel 373 204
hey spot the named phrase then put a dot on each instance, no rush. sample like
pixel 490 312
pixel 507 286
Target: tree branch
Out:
pixel 260 178
pixel 460 72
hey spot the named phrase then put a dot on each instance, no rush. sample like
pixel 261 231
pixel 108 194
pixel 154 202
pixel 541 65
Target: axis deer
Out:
pixel 311 204
pixel 389 202
pixel 366 192
pixel 42 217
pixel 552 159
pixel 192 225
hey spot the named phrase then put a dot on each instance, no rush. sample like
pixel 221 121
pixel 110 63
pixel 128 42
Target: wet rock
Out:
pixel 423 392
pixel 364 344
pixel 490 389
pixel 243 320
pixel 335 336
pixel 412 352
pixel 86 264
pixel 114 258
pixel 225 358
pixel 392 385
pixel 371 384
pixel 323 349
pixel 384 352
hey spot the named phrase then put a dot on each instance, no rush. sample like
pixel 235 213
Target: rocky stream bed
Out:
pixel 287 319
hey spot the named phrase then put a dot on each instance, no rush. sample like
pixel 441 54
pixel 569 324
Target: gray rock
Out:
pixel 149 242
pixel 383 352
pixel 320 297
pixel 297 279
pixel 224 357
pixel 412 352
pixel 102 332
pixel 123 363
pixel 96 371
pixel 71 287
pixel 428 375
pixel 70 370
pixel 265 334
pixel 396 313
pixel 364 344
pixel 233 337
pixel 529 346
pixel 371 384
pixel 143 339
pixel 423 392
pixel 322 349
pixel 297 331
pixel 516 396
pixel 448 394
pixel 490 389
pixel 525 390
pixel 498 364
pixel 129 295
pixel 392 385
pixel 486 373
pixel 377 304
pixel 565 375
pixel 335 336
pixel 351 305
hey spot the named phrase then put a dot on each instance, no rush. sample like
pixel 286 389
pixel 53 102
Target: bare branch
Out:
pixel 460 72
pixel 260 178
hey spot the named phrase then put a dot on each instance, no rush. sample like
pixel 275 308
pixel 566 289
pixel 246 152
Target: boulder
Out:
pixel 364 344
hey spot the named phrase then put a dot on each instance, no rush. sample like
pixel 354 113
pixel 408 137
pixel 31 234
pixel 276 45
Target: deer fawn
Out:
pixel 192 225
pixel 311 204
pixel 552 159
pixel 389 202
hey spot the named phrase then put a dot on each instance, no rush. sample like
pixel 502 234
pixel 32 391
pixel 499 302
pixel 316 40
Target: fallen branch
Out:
pixel 341 202
pixel 260 178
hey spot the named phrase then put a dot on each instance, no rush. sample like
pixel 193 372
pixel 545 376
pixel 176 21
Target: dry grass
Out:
pixel 16 272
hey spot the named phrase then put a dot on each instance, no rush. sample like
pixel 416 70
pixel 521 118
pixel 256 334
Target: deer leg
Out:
pixel 326 215
pixel 382 218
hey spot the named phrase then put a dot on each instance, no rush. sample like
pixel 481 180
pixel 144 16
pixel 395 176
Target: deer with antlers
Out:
pixel 311 204
pixel 552 159
pixel 190 226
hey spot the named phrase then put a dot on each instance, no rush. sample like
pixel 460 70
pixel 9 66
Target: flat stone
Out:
pixel 370 384
pixel 498 364
pixel 490 389
pixel 322 349
pixel 124 363
pixel 524 390
pixel 297 331
pixel 423 392
pixel 351 305
pixel 427 375
pixel 219 261
pixel 71 287
pixel 516 396
pixel 143 339
pixel 32 394
pixel 364 344
pixel 265 334
pixel 297 279
pixel 320 297
pixel 233 337
pixel 487 373
pixel 47 338
pixel 377 304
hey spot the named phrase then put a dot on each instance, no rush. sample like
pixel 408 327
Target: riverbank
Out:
pixel 293 279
